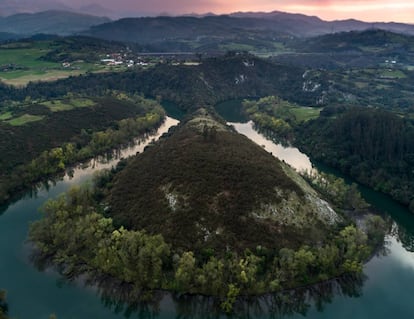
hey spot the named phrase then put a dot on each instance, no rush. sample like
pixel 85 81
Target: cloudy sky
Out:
pixel 367 10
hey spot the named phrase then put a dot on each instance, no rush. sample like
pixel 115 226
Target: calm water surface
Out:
pixel 387 292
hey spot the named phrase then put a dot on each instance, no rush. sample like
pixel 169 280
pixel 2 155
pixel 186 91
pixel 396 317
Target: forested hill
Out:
pixel 372 40
pixel 215 79
pixel 195 189
pixel 375 147
pixel 49 22
pixel 199 30
pixel 181 217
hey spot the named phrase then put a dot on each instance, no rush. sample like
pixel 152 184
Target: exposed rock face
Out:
pixel 206 186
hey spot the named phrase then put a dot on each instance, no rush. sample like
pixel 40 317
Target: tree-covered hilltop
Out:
pixel 277 116
pixel 233 76
pixel 374 41
pixel 46 137
pixel 202 211
pixel 208 186
pixel 189 86
pixel 68 49
pixel 373 146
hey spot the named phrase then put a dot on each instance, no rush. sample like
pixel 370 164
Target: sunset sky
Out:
pixel 367 10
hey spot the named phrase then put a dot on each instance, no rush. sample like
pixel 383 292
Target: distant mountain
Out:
pixel 353 49
pixel 376 40
pixel 96 10
pixel 318 26
pixel 160 29
pixel 249 29
pixel 9 36
pixel 49 22
pixel 11 7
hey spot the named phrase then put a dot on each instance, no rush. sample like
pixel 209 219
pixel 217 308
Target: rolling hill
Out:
pixel 196 186
pixel 49 22
pixel 194 32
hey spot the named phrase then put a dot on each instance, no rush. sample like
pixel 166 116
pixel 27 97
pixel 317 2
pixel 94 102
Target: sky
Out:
pixel 366 10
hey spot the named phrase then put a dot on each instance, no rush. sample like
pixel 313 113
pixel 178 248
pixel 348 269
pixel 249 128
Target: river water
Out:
pixel 386 292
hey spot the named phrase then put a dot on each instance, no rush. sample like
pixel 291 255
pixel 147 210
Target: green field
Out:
pixel 22 63
pixel 392 73
pixel 236 47
pixel 24 119
pixel 26 56
pixel 66 105
pixel 303 114
pixel 6 116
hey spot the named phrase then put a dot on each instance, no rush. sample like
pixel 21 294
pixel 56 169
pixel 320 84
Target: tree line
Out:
pixel 373 146
pixel 84 145
pixel 211 82
pixel 76 235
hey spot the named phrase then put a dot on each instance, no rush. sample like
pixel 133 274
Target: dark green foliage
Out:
pixel 375 147
pixel 335 189
pixel 259 30
pixel 359 41
pixel 186 203
pixel 77 239
pixel 183 33
pixel 198 189
pixel 355 49
pixel 273 114
pixel 88 49
pixel 216 79
pixel 41 149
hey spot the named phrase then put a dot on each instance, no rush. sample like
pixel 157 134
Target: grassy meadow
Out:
pixel 21 63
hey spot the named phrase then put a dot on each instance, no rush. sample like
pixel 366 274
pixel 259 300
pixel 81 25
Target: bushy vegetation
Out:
pixel 373 41
pixel 375 147
pixel 336 190
pixel 216 79
pixel 58 139
pixel 178 217
pixel 278 117
pixel 68 49
pixel 78 239
pixel 200 187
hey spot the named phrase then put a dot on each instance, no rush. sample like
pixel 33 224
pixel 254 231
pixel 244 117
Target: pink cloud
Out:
pixel 368 10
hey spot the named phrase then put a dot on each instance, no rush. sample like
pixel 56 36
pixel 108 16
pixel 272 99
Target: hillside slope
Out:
pixel 49 22
pixel 209 187
pixel 257 30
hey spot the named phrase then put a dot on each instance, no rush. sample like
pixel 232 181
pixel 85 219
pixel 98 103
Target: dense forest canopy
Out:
pixel 49 136
pixel 376 147
pixel 205 210
pixel 216 79
pixel 181 217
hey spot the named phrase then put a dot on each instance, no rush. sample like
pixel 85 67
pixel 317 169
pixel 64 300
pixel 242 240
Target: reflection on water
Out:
pixel 290 155
pixel 111 159
pixel 386 291
pixel 404 257
pixel 289 303
pixel 83 171
pixel 285 304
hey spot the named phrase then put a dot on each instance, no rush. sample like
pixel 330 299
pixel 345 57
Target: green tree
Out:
pixel 186 271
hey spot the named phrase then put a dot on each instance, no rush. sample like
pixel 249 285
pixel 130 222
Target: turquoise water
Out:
pixel 386 292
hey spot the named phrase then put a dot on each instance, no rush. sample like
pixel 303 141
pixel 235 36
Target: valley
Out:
pixel 206 166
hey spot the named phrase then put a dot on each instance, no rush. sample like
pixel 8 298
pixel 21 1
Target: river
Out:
pixel 386 291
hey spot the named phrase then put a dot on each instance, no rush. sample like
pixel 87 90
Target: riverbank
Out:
pixel 54 162
pixel 384 291
pixel 150 224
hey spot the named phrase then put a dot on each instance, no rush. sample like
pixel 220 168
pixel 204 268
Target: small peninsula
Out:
pixel 202 211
